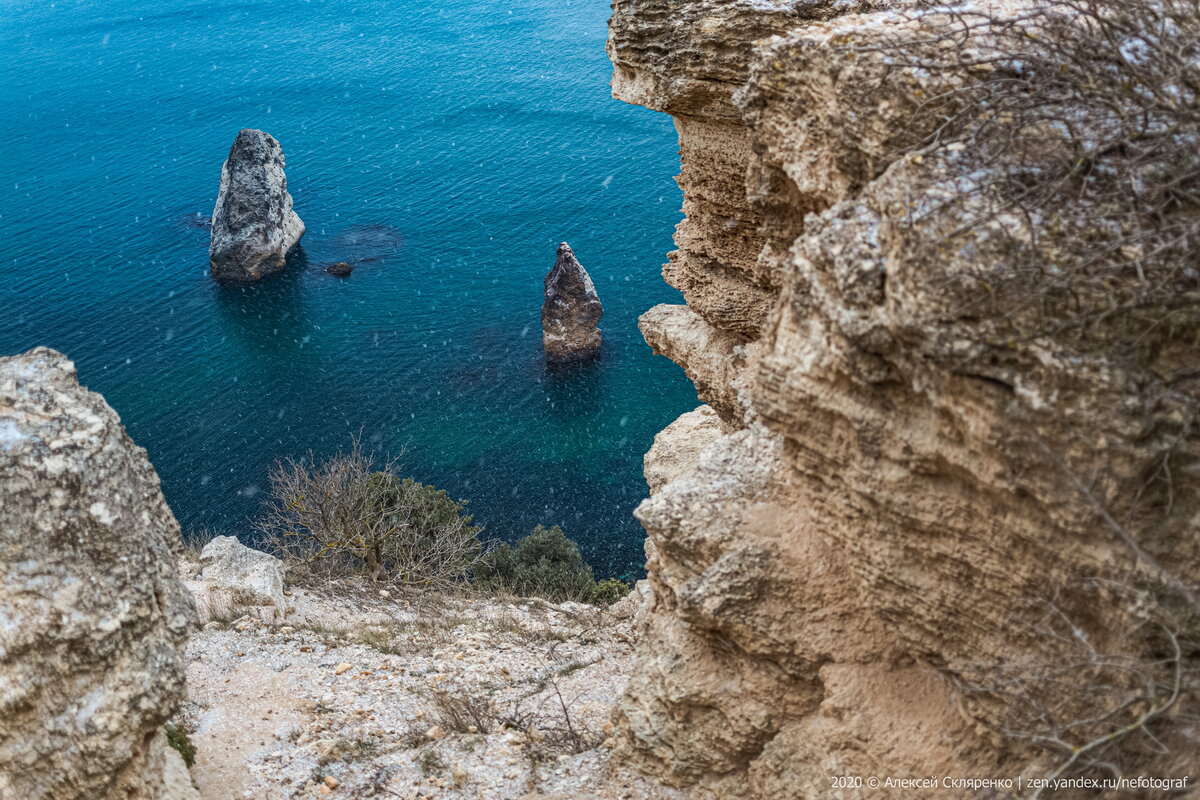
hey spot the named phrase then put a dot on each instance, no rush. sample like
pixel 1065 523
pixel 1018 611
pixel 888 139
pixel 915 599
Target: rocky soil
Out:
pixel 361 692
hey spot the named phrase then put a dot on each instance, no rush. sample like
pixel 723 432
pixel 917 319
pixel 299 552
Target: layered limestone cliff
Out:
pixel 913 499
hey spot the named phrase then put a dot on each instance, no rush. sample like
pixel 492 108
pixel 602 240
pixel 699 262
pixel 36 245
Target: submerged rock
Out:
pixel 341 269
pixel 93 616
pixel 570 311
pixel 253 224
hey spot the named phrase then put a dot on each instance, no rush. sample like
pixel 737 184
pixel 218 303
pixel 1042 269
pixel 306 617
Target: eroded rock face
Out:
pixel 571 311
pixel 677 447
pixel 93 617
pixel 835 572
pixel 253 224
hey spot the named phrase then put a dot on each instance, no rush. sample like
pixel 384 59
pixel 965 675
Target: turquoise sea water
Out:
pixel 447 148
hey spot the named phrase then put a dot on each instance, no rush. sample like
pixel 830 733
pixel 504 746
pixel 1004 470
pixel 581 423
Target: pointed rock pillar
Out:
pixel 570 311
pixel 253 225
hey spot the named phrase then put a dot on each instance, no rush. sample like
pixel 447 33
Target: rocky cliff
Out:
pixel 93 616
pixel 927 523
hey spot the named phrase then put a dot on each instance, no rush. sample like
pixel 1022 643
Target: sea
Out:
pixel 444 148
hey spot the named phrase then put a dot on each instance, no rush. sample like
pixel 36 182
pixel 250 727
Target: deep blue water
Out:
pixel 446 147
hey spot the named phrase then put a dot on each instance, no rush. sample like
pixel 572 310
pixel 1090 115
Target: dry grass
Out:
pixel 343 516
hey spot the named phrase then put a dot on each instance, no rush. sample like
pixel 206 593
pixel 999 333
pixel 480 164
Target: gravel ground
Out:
pixel 358 692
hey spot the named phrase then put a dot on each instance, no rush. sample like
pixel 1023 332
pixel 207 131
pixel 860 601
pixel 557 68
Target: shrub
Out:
pixel 177 737
pixel 1077 120
pixel 543 564
pixel 194 542
pixel 342 514
pixel 608 591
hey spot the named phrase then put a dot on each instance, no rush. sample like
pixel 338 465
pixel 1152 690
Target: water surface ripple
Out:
pixel 445 148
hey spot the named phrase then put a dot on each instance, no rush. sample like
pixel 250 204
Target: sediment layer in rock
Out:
pixel 892 486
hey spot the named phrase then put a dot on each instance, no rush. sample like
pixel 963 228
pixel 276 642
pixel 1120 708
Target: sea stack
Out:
pixel 570 311
pixel 253 225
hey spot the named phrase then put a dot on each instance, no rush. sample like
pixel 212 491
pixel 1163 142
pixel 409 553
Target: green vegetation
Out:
pixel 178 738
pixel 608 591
pixel 543 564
pixel 343 516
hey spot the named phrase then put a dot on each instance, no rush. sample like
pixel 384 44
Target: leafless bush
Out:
pixel 342 515
pixel 1073 128
pixel 460 710
pixel 1099 698
pixel 549 726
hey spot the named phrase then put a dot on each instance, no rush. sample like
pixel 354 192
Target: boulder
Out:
pixel 253 224
pixel 253 577
pixel 570 311
pixel 93 617
pixel 341 269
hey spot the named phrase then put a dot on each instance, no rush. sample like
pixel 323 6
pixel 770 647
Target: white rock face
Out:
pixel 93 617
pixel 254 577
pixel 253 224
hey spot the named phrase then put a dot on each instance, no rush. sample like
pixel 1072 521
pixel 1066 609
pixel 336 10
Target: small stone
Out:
pixel 436 732
pixel 343 667
pixel 286 629
pixel 459 774
pixel 331 781
pixel 254 576
pixel 326 790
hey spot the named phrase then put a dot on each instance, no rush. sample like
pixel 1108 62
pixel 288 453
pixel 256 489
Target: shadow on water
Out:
pixel 195 221
pixel 268 317
pixel 573 389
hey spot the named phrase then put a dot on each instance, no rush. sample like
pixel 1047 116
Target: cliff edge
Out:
pixel 929 519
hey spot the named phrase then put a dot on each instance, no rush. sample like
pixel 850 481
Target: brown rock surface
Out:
pixel 93 617
pixel 840 571
pixel 570 311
